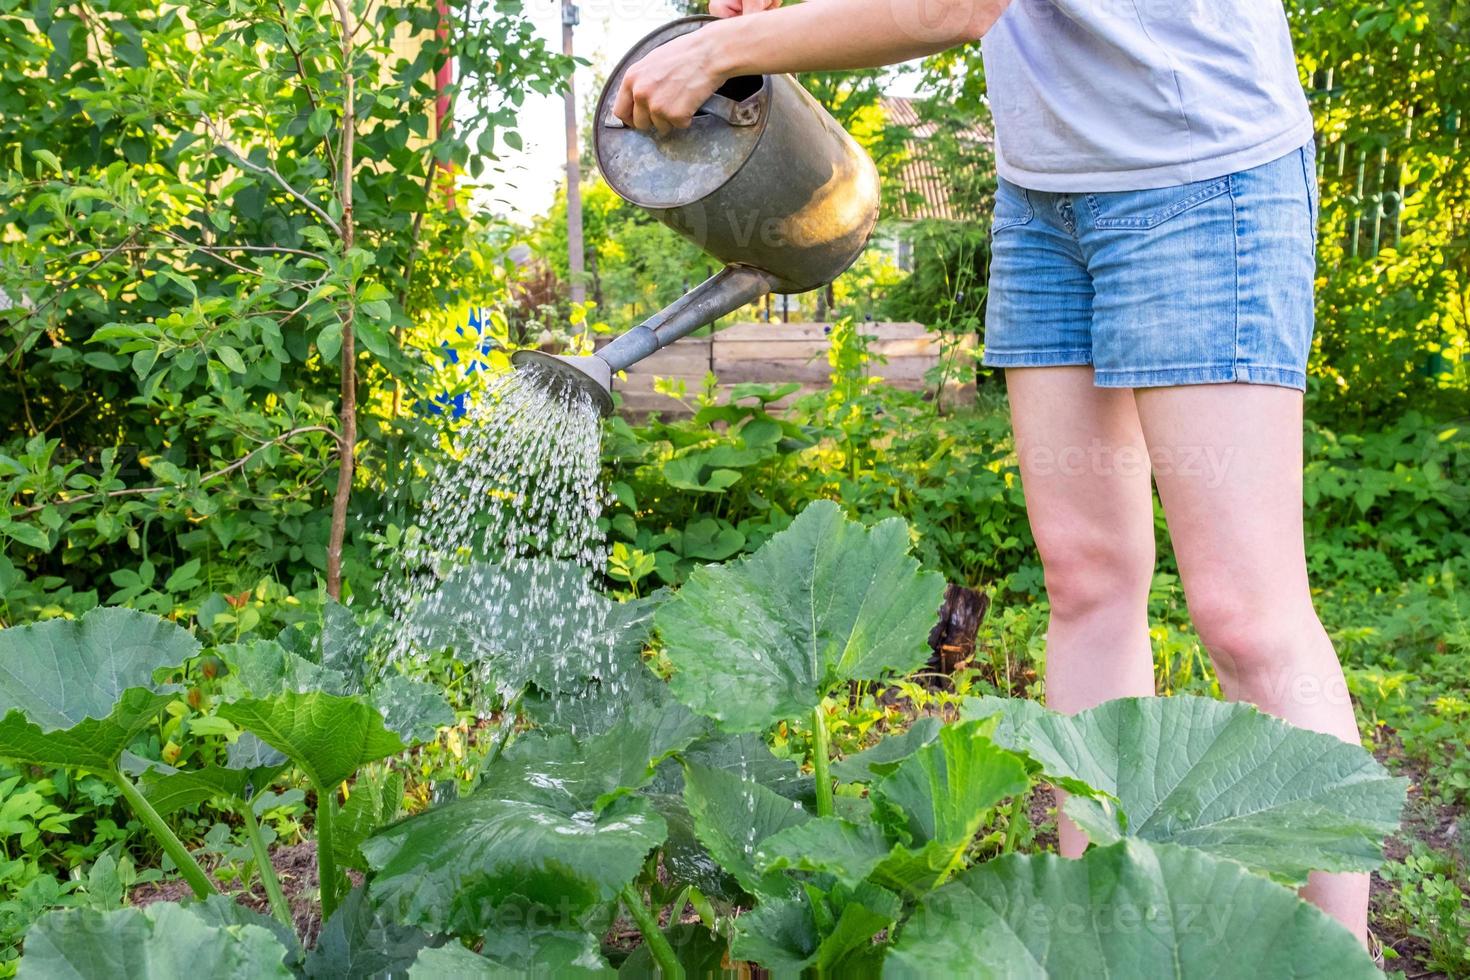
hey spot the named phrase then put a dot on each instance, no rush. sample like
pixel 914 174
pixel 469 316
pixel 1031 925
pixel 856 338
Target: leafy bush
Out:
pixel 721 483
pixel 189 289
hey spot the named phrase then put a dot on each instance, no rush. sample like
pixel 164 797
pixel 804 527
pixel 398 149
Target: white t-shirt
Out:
pixel 1109 95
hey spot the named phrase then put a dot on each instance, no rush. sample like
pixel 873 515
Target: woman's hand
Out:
pixel 734 8
pixel 663 89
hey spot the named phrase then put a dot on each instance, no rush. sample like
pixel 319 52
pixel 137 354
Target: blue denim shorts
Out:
pixel 1194 284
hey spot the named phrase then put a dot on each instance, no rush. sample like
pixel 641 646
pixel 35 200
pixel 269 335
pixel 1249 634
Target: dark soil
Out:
pixel 296 867
pixel 1434 824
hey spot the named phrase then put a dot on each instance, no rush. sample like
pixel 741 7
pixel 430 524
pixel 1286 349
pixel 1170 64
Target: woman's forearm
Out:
pixel 823 35
pixel 665 87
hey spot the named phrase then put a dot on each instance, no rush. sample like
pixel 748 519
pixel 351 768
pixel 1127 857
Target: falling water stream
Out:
pixel 512 516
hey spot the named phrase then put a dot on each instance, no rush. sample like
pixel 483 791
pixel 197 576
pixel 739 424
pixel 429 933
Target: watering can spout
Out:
pixel 721 294
pixel 563 376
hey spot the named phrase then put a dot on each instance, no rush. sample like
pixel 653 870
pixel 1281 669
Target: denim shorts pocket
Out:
pixel 1309 175
pixel 1142 210
pixel 1012 206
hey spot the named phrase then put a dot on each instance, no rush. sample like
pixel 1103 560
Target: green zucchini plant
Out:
pixel 79 693
pixel 642 785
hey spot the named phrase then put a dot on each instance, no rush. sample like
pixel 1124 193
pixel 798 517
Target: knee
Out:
pixel 1086 577
pixel 1243 629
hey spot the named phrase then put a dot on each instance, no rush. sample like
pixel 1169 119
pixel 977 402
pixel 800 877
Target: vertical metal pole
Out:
pixel 576 262
pixel 1398 210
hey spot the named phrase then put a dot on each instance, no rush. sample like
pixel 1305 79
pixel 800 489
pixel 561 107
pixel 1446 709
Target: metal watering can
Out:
pixel 763 180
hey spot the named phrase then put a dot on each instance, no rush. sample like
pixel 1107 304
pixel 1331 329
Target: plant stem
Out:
pixel 1013 826
pixel 821 749
pixel 658 943
pixel 326 859
pixel 172 846
pixel 273 893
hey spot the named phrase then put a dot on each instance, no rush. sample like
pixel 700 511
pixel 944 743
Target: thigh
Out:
pixel 1227 459
pixel 1084 467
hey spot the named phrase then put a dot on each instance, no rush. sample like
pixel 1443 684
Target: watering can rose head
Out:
pixel 756 173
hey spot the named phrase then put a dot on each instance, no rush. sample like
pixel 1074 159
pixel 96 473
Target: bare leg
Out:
pixel 1228 463
pixel 1085 471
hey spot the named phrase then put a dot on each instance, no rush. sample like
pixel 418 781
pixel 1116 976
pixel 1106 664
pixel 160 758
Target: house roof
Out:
pixel 924 187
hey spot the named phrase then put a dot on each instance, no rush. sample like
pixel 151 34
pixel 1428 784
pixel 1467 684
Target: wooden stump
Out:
pixel 953 638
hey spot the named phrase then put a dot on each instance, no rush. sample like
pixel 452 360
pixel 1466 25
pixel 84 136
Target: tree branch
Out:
pixel 348 314
pixel 272 173
pixel 63 287
pixel 210 478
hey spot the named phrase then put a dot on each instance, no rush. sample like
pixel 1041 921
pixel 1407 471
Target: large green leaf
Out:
pixel 262 668
pixel 345 645
pixel 415 710
pixel 329 736
pixel 590 694
pixel 1131 909
pixel 169 789
pixel 732 815
pixel 374 802
pixel 528 943
pixel 747 755
pixel 560 770
pixel 823 602
pixel 555 955
pixel 1215 775
pixel 449 867
pixel 357 943
pixel 831 845
pixel 222 911
pixel 163 941
pixel 76 692
pixel 551 824
pixel 927 811
pixel 884 757
pixel 942 791
pixel 831 932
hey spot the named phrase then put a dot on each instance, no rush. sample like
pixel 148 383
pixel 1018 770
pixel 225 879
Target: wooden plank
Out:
pixel 761 350
pixel 685 343
pixel 670 365
pixel 737 350
pixel 773 371
pixel 642 404
pixel 814 331
pixel 647 382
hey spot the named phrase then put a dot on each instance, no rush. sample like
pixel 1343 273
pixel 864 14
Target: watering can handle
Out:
pixel 746 113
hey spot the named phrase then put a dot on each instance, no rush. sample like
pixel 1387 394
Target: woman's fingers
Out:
pixel 734 8
pixel 623 104
pixel 642 118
